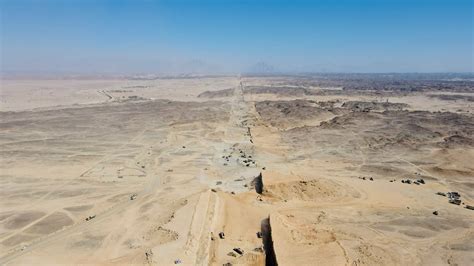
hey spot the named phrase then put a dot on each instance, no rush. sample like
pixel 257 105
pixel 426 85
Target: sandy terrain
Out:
pixel 151 171
pixel 18 95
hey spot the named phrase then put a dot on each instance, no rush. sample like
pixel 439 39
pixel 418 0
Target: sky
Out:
pixel 232 36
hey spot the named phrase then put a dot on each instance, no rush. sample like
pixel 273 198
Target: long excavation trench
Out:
pixel 270 257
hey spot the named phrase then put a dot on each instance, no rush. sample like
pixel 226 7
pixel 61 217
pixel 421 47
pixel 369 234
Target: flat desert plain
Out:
pixel 234 170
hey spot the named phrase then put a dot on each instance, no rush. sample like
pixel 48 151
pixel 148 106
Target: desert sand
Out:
pixel 152 171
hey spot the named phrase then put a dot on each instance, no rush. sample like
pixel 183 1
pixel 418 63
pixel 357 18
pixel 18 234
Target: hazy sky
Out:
pixel 87 36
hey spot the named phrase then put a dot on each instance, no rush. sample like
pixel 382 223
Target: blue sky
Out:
pixel 145 36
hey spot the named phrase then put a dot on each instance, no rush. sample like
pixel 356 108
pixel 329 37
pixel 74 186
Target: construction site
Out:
pixel 236 170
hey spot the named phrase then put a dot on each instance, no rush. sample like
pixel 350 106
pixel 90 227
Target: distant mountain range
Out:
pixel 260 68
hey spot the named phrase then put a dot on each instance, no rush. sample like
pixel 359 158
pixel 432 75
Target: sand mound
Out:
pixel 295 238
pixel 293 242
pixel 308 190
